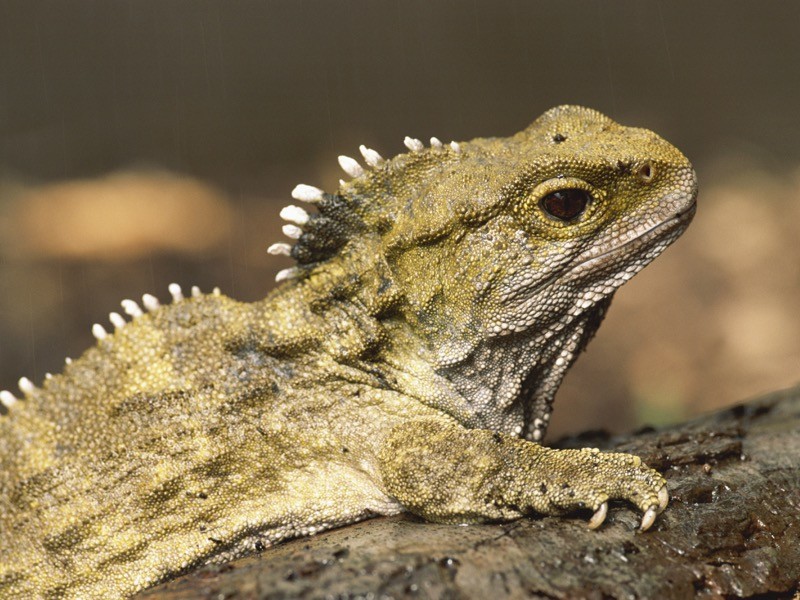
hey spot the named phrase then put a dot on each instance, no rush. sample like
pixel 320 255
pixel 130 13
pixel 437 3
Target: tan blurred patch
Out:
pixel 115 218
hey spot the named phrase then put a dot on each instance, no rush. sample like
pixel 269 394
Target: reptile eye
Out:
pixel 565 205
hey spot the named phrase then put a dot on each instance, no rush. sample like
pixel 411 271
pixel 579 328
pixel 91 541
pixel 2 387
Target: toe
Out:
pixel 663 499
pixel 649 518
pixel 599 516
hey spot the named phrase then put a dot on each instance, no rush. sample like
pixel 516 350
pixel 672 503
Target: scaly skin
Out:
pixel 409 364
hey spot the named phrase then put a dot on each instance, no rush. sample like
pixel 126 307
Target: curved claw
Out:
pixel 649 518
pixel 663 499
pixel 599 516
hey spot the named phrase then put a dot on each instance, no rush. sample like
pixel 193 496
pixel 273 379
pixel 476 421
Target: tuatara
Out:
pixel 408 362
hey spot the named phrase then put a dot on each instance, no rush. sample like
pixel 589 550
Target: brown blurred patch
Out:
pixel 116 218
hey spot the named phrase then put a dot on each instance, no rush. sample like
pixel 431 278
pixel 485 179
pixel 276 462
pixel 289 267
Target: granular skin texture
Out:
pixel 409 363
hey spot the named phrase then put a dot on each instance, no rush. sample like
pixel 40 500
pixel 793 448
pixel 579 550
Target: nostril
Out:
pixel 646 172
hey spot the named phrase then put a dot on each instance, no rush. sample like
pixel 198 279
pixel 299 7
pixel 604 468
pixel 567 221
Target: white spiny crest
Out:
pixel 413 144
pixel 150 302
pixel 436 143
pixel 307 193
pixel 7 399
pixel 216 291
pixel 455 147
pixel 372 158
pixel 196 293
pixel 294 214
pixel 131 308
pixel 280 249
pixel 175 291
pixel 292 231
pixel 285 274
pixel 351 166
pixel 99 331
pixel 26 386
pixel 117 320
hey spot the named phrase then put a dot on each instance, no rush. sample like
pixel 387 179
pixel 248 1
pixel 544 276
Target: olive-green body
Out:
pixel 410 364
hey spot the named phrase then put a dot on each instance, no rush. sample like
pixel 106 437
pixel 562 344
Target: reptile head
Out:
pixel 499 235
pixel 503 233
pixel 575 205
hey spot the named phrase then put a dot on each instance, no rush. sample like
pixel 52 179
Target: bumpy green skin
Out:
pixel 435 311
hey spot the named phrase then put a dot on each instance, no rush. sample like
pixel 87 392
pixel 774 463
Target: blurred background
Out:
pixel 144 142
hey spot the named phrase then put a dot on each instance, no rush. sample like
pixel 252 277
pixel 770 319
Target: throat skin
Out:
pixel 489 373
pixel 510 382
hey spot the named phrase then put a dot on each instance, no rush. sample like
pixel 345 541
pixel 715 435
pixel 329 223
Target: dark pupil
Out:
pixel 565 205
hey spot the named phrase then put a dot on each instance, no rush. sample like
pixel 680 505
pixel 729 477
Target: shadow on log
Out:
pixel 732 530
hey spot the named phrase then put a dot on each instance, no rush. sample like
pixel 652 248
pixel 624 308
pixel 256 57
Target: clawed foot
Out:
pixel 446 473
pixel 590 478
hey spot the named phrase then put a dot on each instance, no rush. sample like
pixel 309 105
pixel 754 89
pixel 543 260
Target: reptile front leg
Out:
pixel 446 473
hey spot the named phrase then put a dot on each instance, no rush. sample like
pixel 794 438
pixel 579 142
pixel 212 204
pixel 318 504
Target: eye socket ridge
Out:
pixel 565 204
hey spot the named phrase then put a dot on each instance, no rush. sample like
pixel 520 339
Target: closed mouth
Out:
pixel 678 221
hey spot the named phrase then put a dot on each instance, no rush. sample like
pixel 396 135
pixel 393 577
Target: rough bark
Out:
pixel 732 530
